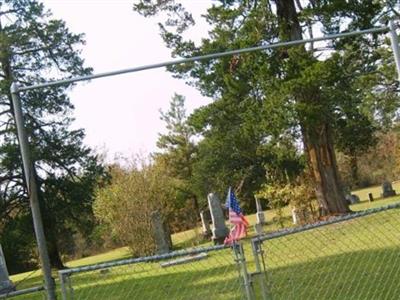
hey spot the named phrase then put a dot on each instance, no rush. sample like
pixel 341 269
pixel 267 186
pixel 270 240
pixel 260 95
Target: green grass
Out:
pixel 376 191
pixel 355 259
pixel 358 259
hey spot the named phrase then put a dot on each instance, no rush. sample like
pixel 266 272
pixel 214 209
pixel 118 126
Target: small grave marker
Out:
pixel 205 223
pixel 371 197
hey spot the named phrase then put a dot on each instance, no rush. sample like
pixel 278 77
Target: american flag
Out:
pixel 236 218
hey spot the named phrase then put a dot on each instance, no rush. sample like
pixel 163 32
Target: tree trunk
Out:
pixel 354 169
pixel 322 163
pixel 54 254
pixel 317 138
pixel 196 207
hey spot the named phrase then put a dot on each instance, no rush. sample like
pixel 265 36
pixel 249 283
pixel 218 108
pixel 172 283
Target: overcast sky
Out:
pixel 121 114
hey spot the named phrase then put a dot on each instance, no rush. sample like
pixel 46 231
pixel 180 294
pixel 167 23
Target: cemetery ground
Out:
pixel 336 251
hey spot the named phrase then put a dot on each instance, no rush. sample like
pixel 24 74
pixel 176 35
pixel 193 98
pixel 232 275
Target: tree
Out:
pixel 35 48
pixel 237 150
pixel 178 153
pixel 295 77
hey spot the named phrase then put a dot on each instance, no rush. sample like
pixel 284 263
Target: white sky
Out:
pixel 121 113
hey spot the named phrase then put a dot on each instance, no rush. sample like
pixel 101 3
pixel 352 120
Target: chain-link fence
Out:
pixel 24 286
pixel 26 293
pixel 356 256
pixel 202 273
pixel 350 257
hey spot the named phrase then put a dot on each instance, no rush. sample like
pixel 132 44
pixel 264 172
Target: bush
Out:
pixel 299 195
pixel 126 205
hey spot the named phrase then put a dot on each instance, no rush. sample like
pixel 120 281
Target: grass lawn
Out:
pixel 355 259
pixel 376 191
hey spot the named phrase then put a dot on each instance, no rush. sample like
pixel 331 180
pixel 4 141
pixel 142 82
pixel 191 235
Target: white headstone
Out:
pixel 5 283
pixel 260 214
pixel 219 229
pixel 205 223
pixel 294 216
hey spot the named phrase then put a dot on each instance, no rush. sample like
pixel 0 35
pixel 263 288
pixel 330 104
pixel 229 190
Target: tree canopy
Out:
pixel 308 93
pixel 35 48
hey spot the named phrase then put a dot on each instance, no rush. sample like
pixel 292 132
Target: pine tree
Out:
pixel 177 154
pixel 35 48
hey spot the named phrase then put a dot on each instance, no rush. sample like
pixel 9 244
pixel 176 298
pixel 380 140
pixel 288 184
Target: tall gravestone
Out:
pixel 219 230
pixel 205 223
pixel 162 236
pixel 5 283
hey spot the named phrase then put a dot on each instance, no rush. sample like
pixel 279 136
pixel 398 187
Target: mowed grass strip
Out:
pixel 357 259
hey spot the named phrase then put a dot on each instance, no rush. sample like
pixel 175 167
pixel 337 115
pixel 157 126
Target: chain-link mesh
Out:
pixel 350 259
pixel 24 286
pixel 202 275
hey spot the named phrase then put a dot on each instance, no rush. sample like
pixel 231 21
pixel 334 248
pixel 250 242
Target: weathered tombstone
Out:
pixel 300 216
pixel 5 284
pixel 387 190
pixel 162 237
pixel 355 199
pixel 205 223
pixel 371 197
pixel 258 228
pixel 219 229
pixel 352 199
pixel 260 214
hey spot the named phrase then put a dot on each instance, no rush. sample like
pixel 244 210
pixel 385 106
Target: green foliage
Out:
pixel 294 93
pixel 35 48
pixel 127 203
pixel 18 232
pixel 298 194
pixel 177 156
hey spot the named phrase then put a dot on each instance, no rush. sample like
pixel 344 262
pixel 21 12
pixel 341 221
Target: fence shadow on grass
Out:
pixel 367 274
pixel 213 278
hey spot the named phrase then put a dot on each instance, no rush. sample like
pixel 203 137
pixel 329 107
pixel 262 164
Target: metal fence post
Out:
pixel 260 271
pixel 63 283
pixel 241 261
pixel 33 194
pixel 395 46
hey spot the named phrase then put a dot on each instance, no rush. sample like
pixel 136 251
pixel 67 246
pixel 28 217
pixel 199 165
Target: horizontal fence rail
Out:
pixel 22 292
pixel 207 273
pixel 205 57
pixel 130 261
pixel 331 220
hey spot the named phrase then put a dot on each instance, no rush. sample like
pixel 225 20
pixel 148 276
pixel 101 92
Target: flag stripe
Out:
pixel 236 218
